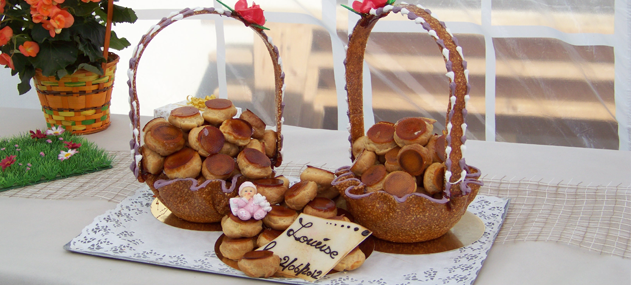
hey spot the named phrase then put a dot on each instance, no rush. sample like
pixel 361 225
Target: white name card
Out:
pixel 312 246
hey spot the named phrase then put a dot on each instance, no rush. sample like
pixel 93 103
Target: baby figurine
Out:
pixel 250 204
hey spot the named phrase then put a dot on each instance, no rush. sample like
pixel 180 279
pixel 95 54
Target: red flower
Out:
pixel 5 35
pixel 37 135
pixel 365 6
pixel 71 145
pixel 7 161
pixel 253 14
pixel 6 59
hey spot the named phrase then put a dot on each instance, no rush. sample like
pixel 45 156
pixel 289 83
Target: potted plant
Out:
pixel 63 45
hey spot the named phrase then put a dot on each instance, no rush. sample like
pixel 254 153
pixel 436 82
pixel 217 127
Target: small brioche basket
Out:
pixel 196 200
pixel 415 217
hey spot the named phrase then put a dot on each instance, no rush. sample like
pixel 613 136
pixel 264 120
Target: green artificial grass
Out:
pixel 90 158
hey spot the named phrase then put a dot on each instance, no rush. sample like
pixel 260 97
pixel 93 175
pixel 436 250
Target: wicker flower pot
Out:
pixel 79 102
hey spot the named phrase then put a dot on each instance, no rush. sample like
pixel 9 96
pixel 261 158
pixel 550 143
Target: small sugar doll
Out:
pixel 249 204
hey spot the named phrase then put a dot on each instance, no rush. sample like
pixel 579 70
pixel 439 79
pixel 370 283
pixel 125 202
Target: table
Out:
pixel 34 230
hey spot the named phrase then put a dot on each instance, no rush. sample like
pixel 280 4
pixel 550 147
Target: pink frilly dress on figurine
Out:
pixel 250 204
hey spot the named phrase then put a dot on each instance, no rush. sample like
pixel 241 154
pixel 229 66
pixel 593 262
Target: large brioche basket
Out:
pixel 196 200
pixel 415 217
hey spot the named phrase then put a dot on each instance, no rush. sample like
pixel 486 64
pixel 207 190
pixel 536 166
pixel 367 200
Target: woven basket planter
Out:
pixel 79 102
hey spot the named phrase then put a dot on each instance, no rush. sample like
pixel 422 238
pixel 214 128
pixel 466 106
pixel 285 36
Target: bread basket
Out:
pixel 196 200
pixel 415 217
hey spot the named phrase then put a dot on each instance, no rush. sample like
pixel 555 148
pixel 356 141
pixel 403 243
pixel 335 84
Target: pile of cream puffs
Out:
pixel 211 143
pixel 400 158
pixel 313 195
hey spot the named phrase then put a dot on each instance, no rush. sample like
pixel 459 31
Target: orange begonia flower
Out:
pixel 5 59
pixel 29 48
pixel 68 18
pixel 51 30
pixel 5 35
pixel 47 2
pixel 38 18
pixel 58 21
pixel 2 4
pixel 32 2
pixel 44 9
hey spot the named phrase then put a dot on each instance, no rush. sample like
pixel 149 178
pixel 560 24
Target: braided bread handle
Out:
pixel 134 113
pixel 456 168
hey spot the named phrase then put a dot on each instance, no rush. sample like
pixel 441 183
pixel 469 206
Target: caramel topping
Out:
pixel 211 139
pixel 322 204
pixel 219 164
pixel 381 133
pixel 374 174
pixel 239 221
pixel 313 167
pixel 259 254
pixel 439 177
pixel 252 118
pixel 153 122
pixel 218 104
pixel 410 128
pixel 295 189
pixel 440 148
pixel 186 111
pixel 280 211
pixel 391 155
pixel 256 157
pixel 269 182
pixel 411 159
pixel 167 133
pixel 239 128
pixel 179 158
pixel 271 234
pixel 399 183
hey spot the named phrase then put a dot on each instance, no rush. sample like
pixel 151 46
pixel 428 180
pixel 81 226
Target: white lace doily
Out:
pixel 130 232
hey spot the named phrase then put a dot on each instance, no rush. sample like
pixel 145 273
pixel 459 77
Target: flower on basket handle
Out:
pixel 364 6
pixel 57 37
pixel 253 14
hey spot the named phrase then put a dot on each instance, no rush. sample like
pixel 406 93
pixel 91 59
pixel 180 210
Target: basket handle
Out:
pixel 456 71
pixel 108 30
pixel 134 113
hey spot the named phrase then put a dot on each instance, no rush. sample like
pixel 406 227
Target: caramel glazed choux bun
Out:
pixel 236 248
pixel 186 118
pixel 259 264
pixel 219 110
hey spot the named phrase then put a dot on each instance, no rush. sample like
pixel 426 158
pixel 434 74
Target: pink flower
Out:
pixel 55 131
pixel 28 168
pixel 49 141
pixel 253 14
pixel 7 161
pixel 42 154
pixel 29 165
pixel 63 155
pixel 61 139
pixel 17 149
pixel 17 145
pixel 2 148
pixel 365 5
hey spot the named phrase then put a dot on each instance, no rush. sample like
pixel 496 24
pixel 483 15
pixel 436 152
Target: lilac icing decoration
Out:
pixel 162 20
pixel 442 24
pixel 345 61
pixel 132 143
pixel 338 179
pixel 187 12
pixel 455 41
pixel 194 187
pixel 129 84
pixel 282 75
pixel 276 50
pixel 167 22
pixel 396 9
pixel 227 13
pixel 132 166
pixel 136 172
pixel 343 168
pixel 450 66
pixel 426 26
pixel 412 16
pixel 452 87
pixel 444 200
pixel 379 11
pixel 441 43
pixel 132 63
pixel 428 11
pixel 210 9
pixel 464 64
pixel 131 115
pixel 468 88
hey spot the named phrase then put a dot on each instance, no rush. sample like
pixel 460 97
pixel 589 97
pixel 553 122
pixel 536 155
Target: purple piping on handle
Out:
pixel 426 26
pixel 396 9
pixel 428 11
pixel 450 67
pixel 337 181
pixel 194 187
pixel 412 16
pixel 441 43
pixel 379 11
pixel 464 65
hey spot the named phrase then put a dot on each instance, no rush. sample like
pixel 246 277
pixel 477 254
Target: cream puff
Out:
pixel 254 164
pixel 413 131
pixel 164 138
pixel 153 122
pixel 317 175
pixel 185 163
pixel 257 124
pixel 229 149
pixel 351 261
pixel 269 139
pixel 434 178
pixel 256 144
pixel 236 248
pixel 300 194
pixel 152 162
pixel 266 236
pixel 236 131
pixel 272 188
pixel 218 110
pixel 280 218
pixel 381 138
pixel 414 159
pixel 321 207
pixel 365 160
pixel 186 118
pixel 259 264
pixel 359 145
pixel 399 183
pixel 207 140
pixel 234 227
pixel 392 161
pixel 218 166
pixel 374 177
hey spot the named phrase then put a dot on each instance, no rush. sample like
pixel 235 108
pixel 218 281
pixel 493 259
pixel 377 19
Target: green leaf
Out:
pixel 39 34
pixel 351 9
pixel 26 76
pixel 54 56
pixel 121 14
pixel 61 73
pixel 20 62
pixel 96 69
pixel 118 43
pixel 390 2
pixel 90 30
pixel 80 9
pixel 90 49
